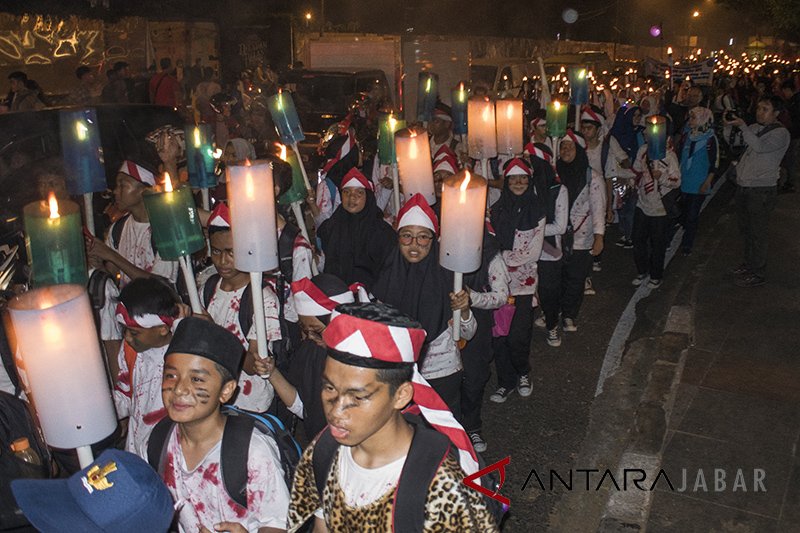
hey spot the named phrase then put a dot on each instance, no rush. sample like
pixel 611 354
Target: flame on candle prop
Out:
pixel 283 151
pixel 280 98
pixel 462 96
pixel 51 199
pixel 197 141
pixel 167 183
pixel 462 199
pixel 81 130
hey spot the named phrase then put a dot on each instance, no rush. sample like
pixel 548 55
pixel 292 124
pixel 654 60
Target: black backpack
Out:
pixel 16 421
pixel 235 448
pixel 428 449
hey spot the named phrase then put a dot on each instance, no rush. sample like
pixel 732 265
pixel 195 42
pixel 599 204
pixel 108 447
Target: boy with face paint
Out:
pixel 146 311
pixel 133 255
pixel 201 367
pixel 370 377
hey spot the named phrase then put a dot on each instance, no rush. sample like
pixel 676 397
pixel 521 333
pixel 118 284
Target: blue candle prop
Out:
pixel 578 85
pixel 656 137
pixel 459 98
pixel 284 115
pixel 200 156
pixel 82 152
pixel 427 94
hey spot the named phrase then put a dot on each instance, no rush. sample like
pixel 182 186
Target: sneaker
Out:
pixel 539 322
pixel 638 280
pixel 569 325
pixel 500 395
pixel 588 288
pixel 628 244
pixel 621 242
pixel 553 338
pixel 654 283
pixel 750 280
pixel 524 387
pixel 596 267
pixel 741 270
pixel 477 442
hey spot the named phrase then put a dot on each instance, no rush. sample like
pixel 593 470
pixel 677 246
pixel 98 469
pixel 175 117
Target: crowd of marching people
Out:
pixel 362 353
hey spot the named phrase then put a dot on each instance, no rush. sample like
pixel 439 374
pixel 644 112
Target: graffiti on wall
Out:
pixel 44 40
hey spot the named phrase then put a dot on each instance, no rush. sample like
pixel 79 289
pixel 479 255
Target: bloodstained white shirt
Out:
pixel 135 245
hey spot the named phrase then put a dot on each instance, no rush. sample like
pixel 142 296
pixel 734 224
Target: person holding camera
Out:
pixel 757 176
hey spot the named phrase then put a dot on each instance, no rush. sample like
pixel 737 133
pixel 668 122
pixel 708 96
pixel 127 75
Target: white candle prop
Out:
pixel 482 138
pixel 59 361
pixel 414 164
pixel 251 194
pixel 463 215
pixel 509 126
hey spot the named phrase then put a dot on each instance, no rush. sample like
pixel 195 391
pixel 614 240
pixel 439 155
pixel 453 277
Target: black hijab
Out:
pixel 550 185
pixel 512 213
pixel 420 290
pixel 356 244
pixel 573 175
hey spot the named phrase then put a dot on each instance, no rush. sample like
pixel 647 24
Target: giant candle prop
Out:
pixel 459 99
pixel 255 234
pixel 387 155
pixel 427 94
pixel 482 137
pixel 176 230
pixel 59 361
pixel 414 164
pixel 556 119
pixel 509 126
pixel 284 115
pixel 83 157
pixel 463 214
pixel 200 159
pixel 55 242
pixel 656 137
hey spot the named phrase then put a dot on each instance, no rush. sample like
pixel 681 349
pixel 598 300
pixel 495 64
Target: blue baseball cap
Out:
pixel 119 492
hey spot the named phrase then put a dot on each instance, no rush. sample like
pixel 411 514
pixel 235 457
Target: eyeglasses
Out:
pixel 423 239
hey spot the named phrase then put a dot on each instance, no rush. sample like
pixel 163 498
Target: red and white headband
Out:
pixel 137 172
pixel 309 300
pixel 517 167
pixel 534 151
pixel 417 212
pixel 442 115
pixel 535 123
pixel 220 217
pixel 445 164
pixel 147 320
pixel 354 178
pixel 571 136
pixel 589 115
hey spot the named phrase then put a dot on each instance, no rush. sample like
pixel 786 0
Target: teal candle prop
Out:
pixel 174 221
pixel 656 137
pixel 388 125
pixel 459 98
pixel 81 151
pixel 200 156
pixel 54 239
pixel 556 119
pixel 578 86
pixel 427 94
pixel 297 192
pixel 284 115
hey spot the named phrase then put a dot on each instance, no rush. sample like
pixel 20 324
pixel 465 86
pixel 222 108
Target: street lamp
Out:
pixel 695 14
pixel 308 18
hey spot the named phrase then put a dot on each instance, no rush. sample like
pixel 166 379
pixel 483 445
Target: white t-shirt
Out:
pixel 615 155
pixel 135 245
pixel 201 491
pixel 255 392
pixel 363 486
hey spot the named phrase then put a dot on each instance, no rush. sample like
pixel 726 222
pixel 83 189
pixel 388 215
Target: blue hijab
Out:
pixel 625 131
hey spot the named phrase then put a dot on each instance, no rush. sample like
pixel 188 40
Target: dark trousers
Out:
pixel 573 276
pixel 449 389
pixel 550 291
pixel 691 215
pixel 476 357
pixel 512 353
pixel 754 206
pixel 625 215
pixel 650 243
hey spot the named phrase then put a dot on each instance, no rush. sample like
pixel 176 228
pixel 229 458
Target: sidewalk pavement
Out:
pixel 737 406
pixel 708 386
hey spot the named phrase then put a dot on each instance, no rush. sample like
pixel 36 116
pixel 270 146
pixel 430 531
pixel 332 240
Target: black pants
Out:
pixel 754 206
pixel 691 215
pixel 550 290
pixel 650 243
pixel 449 389
pixel 476 357
pixel 512 354
pixel 573 277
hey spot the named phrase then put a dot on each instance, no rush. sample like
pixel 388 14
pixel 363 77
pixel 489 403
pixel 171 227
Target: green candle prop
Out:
pixel 387 153
pixel 55 242
pixel 176 230
pixel 556 119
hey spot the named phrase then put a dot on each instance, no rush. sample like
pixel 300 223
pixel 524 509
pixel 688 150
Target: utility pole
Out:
pixel 322 18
